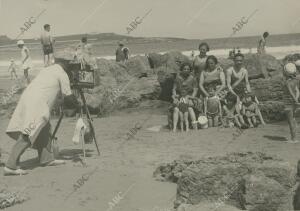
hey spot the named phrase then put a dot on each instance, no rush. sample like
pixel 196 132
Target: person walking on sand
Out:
pixel 47 44
pixel 25 59
pixel 12 69
pixel 261 48
pixel 291 98
pixel 30 122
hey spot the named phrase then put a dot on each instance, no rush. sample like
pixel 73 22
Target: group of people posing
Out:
pixel 203 90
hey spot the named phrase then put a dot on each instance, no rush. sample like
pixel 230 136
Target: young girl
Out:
pixel 212 108
pixel 292 101
pixel 231 111
pixel 183 110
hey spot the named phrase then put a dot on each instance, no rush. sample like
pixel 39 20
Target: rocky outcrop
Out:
pixel 206 206
pixel 291 58
pixel 117 86
pixel 263 65
pixel 251 181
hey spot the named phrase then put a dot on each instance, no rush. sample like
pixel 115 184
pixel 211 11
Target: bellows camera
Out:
pixel 82 75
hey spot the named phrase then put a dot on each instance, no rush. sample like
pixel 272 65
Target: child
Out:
pixel 25 59
pixel 212 108
pixel 183 112
pixel 12 69
pixel 251 110
pixel 292 89
pixel 232 113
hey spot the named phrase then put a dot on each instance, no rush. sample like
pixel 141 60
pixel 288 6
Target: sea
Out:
pixel 279 46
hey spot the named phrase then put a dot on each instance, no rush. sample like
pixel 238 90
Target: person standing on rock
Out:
pixel 261 48
pixel 30 122
pixel 25 59
pixel 291 96
pixel 120 55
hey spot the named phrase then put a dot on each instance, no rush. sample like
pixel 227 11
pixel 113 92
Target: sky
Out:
pixel 191 19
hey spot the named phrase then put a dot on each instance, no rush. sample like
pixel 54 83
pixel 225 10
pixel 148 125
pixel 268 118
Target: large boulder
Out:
pixel 167 66
pixel 251 181
pixel 137 66
pixel 263 65
pixel 269 90
pixel 272 110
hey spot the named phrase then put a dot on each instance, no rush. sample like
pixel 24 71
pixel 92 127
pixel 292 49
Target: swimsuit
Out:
pixel 212 107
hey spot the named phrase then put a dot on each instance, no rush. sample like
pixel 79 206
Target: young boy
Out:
pixel 47 42
pixel 212 108
pixel 250 110
pixel 12 69
pixel 231 111
pixel 292 89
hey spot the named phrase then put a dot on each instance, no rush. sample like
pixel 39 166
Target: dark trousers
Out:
pixel 43 144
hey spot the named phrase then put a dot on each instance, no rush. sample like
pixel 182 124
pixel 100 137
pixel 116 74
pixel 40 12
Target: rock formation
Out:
pixel 251 181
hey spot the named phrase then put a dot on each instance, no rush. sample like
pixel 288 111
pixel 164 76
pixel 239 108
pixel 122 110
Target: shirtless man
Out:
pixel 47 43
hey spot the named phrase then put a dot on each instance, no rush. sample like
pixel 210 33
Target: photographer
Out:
pixel 30 122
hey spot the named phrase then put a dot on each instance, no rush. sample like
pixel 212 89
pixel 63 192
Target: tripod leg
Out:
pixel 89 119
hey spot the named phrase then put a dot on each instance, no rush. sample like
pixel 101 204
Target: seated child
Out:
pixel 231 112
pixel 250 110
pixel 212 108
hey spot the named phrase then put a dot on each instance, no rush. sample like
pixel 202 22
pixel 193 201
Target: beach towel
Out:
pixel 79 132
pixel 33 109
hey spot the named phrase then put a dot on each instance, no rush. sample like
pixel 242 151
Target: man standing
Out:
pixel 120 56
pixel 30 122
pixel 261 48
pixel 47 43
pixel 25 59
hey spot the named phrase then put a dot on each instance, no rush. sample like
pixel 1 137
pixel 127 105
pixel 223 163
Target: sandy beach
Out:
pixel 130 164
pixel 125 167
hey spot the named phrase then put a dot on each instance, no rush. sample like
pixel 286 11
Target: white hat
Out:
pixel 20 42
pixel 297 63
pixel 290 68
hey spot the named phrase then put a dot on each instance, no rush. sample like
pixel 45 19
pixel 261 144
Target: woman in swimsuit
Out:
pixel 212 83
pixel 200 60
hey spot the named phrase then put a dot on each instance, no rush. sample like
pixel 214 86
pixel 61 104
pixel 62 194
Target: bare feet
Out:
pixel 55 163
pixel 292 141
pixel 11 172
